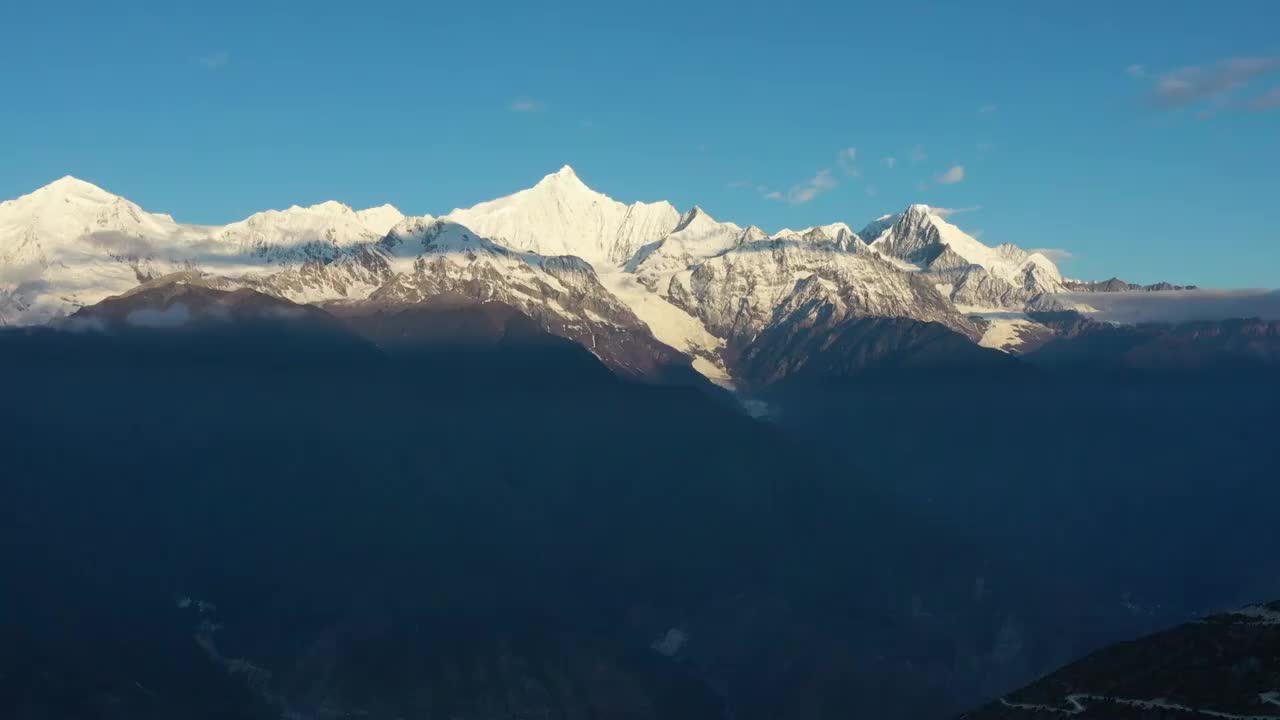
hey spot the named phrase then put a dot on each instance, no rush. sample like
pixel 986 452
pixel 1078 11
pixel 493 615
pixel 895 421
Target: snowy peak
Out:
pixel 743 291
pixel 70 219
pixel 874 229
pixel 66 190
pixel 566 183
pixel 752 234
pixel 67 186
pixel 566 175
pixel 428 235
pixel 560 215
pixel 320 231
pixel 697 219
pixel 922 236
pixel 837 233
pixel 698 236
pixel 381 219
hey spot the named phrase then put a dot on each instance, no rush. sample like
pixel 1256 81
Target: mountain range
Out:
pixel 326 462
pixel 645 287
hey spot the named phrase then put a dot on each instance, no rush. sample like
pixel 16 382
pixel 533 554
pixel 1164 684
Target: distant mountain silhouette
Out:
pixel 1222 666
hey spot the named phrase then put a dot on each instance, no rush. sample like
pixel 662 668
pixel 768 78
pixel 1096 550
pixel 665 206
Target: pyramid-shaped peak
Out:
pixel 753 233
pixel 71 185
pixel 919 214
pixel 695 215
pixel 564 177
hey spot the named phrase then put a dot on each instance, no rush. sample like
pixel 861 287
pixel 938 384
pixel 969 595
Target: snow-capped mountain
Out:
pixel 969 272
pixel 838 233
pixel 71 244
pixel 740 293
pixel 638 284
pixel 320 232
pixel 697 237
pixel 562 216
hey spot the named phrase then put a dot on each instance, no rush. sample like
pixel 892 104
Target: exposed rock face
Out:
pixel 432 259
pixel 819 348
pixel 742 292
pixel 974 274
pixel 1118 285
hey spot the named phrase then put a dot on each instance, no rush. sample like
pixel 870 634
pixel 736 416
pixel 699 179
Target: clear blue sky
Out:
pixel 1137 135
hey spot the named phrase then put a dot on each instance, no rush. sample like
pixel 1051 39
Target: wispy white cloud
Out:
pixel 1135 71
pixel 806 191
pixel 889 163
pixel 1216 84
pixel 870 190
pixel 1270 100
pixel 215 60
pixel 588 123
pixel 953 175
pixel 918 155
pixel 526 105
pixel 845 159
pixel 987 109
pixel 1055 254
pixel 945 213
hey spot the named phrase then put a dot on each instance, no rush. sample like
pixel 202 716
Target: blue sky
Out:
pixel 1141 137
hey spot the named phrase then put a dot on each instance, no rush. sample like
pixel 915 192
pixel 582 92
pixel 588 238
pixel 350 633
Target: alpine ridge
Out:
pixel 641 285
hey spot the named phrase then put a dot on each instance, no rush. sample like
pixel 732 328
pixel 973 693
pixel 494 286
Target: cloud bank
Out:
pixel 1177 305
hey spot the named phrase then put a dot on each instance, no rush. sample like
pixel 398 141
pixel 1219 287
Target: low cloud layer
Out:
pixel 118 243
pixel 176 315
pixel 14 275
pixel 1177 306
